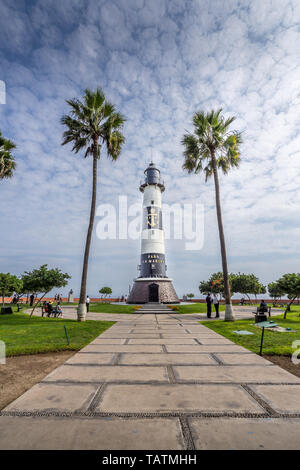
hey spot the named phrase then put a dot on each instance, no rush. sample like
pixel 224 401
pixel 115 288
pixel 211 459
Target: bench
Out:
pixel 261 316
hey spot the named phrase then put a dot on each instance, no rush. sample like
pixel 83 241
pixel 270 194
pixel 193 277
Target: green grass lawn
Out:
pixel 195 308
pixel 23 335
pixel 275 343
pixel 111 308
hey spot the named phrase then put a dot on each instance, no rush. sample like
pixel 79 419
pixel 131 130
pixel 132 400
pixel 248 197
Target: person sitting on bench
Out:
pixel 263 307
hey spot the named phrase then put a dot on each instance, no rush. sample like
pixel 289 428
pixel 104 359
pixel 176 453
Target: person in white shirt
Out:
pixel 87 302
pixel 216 304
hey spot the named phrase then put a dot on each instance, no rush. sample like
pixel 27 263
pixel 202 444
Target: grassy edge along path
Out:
pixel 112 308
pixel 22 335
pixel 275 343
pixel 194 308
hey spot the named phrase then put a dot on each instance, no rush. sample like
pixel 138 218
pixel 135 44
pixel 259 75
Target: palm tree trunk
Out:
pixel 228 305
pixel 81 312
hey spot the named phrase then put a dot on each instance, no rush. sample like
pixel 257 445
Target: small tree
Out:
pixel 9 284
pixel 105 291
pixel 290 285
pixel 247 284
pixel 190 296
pixel 43 280
pixel 215 284
pixel 275 291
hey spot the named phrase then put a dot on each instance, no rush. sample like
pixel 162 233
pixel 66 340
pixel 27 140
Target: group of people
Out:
pixel 50 310
pixel 212 300
pixel 58 298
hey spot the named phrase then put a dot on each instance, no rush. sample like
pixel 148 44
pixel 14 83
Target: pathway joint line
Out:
pixel 217 359
pixel 260 401
pixel 187 433
pixel 171 374
pixel 96 400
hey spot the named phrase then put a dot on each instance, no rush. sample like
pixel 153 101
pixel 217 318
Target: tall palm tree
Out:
pixel 7 161
pixel 209 148
pixel 91 124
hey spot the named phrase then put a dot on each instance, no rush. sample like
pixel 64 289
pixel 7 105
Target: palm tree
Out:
pixel 209 148
pixel 7 161
pixel 92 123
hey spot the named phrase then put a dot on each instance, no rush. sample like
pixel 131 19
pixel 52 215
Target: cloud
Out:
pixel 159 62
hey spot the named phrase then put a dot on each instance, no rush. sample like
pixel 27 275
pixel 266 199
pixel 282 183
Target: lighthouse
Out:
pixel 152 284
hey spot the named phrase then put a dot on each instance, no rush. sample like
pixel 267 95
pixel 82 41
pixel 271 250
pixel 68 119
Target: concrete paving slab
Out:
pixel 100 340
pixel 241 359
pixel 130 348
pixel 137 335
pixel 245 434
pixel 87 434
pixel 55 398
pixel 166 359
pixel 207 349
pixel 84 358
pixel 237 374
pixel 176 398
pixel 163 341
pixel 209 341
pixel 283 399
pixel 108 374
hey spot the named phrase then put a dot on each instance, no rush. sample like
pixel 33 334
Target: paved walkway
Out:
pixel 158 382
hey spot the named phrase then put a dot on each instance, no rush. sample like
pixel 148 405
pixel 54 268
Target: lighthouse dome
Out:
pixel 152 174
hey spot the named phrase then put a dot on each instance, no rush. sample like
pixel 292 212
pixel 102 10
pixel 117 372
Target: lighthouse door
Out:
pixel 153 293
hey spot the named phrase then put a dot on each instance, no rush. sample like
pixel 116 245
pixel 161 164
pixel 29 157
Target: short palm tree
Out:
pixel 91 124
pixel 209 148
pixel 7 161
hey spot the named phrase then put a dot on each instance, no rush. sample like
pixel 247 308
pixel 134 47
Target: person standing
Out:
pixel 216 304
pixel 87 302
pixel 208 304
pixel 31 300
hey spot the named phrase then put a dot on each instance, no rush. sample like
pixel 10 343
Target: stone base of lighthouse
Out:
pixel 152 289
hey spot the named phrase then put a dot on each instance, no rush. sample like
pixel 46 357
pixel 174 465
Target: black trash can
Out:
pixel 6 310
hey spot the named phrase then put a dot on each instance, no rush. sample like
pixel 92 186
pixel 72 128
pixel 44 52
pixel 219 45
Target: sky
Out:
pixel 158 61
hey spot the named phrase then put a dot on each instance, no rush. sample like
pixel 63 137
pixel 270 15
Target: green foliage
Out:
pixel 93 122
pixel 211 136
pixel 111 308
pixel 46 334
pixel 275 291
pixel 274 341
pixel 43 280
pixel 214 285
pixel 290 285
pixel 239 283
pixel 7 161
pixel 198 307
pixel 9 284
pixel 246 284
pixel 190 296
pixel 105 291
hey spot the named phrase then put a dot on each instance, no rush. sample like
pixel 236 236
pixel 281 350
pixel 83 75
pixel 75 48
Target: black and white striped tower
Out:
pixel 153 285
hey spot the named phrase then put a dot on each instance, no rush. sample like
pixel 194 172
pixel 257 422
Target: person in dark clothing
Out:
pixel 31 300
pixel 263 307
pixel 216 304
pixel 50 309
pixel 208 304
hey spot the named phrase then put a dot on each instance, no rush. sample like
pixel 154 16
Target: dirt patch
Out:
pixel 22 372
pixel 286 363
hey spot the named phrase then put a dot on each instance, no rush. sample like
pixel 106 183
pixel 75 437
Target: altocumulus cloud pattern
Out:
pixel 158 61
